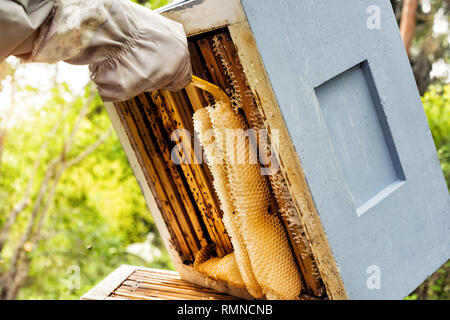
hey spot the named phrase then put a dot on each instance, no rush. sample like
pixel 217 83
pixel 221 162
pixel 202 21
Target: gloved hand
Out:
pixel 129 48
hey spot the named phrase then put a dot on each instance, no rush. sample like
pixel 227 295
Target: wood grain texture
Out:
pixel 138 283
pixel 197 177
pixel 161 180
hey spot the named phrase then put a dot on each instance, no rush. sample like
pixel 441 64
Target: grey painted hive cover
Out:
pixel 347 93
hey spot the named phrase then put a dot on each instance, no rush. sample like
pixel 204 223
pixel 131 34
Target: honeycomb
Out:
pixel 222 269
pixel 261 248
pixel 214 155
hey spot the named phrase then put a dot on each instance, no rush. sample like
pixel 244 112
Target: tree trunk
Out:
pixel 408 22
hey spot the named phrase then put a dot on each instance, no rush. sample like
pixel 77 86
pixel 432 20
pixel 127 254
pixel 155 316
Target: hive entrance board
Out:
pixel 183 189
pixel 137 283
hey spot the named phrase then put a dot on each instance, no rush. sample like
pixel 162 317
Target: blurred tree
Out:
pixel 408 22
pixel 14 278
pixel 68 197
pixel 424 27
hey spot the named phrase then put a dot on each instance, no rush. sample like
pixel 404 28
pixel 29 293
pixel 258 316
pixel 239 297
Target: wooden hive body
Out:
pixel 182 200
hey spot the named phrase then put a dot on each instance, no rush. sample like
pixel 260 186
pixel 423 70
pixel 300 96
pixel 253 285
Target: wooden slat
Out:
pixel 199 69
pixel 104 288
pixel 149 284
pixel 173 282
pixel 151 175
pixel 196 98
pixel 159 179
pixel 167 181
pixel 173 291
pixel 165 150
pixel 197 179
pixel 215 69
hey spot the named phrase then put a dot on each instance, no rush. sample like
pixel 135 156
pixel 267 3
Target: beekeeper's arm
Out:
pixel 129 48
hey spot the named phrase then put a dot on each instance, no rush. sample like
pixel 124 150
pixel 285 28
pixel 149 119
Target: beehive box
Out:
pixel 357 164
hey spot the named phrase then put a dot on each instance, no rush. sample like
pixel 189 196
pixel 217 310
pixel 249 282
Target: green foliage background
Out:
pixel 98 209
pixel 436 102
pixel 437 108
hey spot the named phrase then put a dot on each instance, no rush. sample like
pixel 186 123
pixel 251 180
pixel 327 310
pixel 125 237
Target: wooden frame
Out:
pixel 139 283
pixel 104 288
pixel 233 17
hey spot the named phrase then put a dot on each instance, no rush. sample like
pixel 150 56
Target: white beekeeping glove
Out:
pixel 129 48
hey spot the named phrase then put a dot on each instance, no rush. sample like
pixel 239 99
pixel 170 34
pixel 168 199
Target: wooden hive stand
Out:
pixel 139 283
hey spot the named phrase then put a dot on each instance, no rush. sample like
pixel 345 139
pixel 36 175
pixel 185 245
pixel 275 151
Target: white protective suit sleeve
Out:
pixel 129 48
